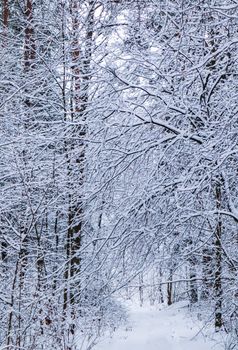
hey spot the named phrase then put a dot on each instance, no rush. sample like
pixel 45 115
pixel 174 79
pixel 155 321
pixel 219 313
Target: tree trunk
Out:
pixel 193 285
pixel 207 272
pixel 5 20
pixel 75 156
pixel 5 14
pixel 29 50
pixel 170 289
pixel 218 260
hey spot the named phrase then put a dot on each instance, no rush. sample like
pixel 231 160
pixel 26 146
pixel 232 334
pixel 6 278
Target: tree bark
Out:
pixel 29 50
pixel 5 13
pixel 218 259
pixel 170 289
pixel 193 285
pixel 75 155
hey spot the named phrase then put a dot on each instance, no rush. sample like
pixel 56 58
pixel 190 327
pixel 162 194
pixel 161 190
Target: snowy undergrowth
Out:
pixel 161 327
pixel 99 321
pixel 204 316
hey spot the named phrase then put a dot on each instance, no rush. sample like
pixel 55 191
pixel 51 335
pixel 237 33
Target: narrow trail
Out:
pixel 168 328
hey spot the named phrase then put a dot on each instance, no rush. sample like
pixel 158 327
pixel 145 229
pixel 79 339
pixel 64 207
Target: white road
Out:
pixel 168 328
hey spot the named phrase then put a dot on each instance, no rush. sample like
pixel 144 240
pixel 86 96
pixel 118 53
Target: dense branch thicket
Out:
pixel 118 164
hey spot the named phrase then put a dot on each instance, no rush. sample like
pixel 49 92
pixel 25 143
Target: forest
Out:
pixel 118 165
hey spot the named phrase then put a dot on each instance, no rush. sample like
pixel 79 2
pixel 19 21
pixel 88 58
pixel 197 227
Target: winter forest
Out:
pixel 118 166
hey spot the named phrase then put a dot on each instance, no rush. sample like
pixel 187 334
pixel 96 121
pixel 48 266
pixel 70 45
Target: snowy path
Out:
pixel 158 329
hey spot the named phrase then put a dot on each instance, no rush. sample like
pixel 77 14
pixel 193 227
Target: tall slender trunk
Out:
pixel 5 20
pixel 75 152
pixel 10 316
pixel 207 273
pixel 161 296
pixel 218 261
pixel 170 288
pixel 28 64
pixel 29 57
pixel 29 50
pixel 73 241
pixel 5 14
pixel 193 285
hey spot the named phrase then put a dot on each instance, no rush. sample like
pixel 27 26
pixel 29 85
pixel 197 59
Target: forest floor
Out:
pixel 160 328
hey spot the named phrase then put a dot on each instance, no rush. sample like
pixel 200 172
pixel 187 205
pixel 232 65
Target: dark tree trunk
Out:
pixel 5 13
pixel 75 152
pixel 170 289
pixel 29 51
pixel 207 271
pixel 218 257
pixel 193 285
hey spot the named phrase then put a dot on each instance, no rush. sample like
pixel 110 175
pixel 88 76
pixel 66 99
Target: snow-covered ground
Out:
pixel 159 328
